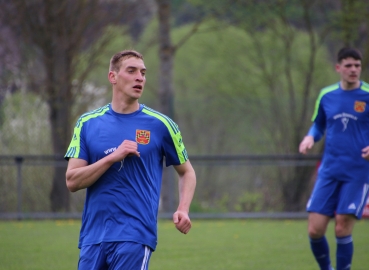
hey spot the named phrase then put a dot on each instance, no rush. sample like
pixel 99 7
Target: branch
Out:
pixel 193 30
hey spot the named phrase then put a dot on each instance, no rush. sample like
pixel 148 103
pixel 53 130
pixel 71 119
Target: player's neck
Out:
pixel 124 107
pixel 347 86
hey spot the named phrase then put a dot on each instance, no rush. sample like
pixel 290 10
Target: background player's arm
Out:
pixel 365 153
pixel 315 133
pixel 317 129
pixel 306 144
pixel 80 175
pixel 187 184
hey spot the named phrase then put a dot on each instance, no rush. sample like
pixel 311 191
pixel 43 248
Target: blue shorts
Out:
pixel 330 197
pixel 114 255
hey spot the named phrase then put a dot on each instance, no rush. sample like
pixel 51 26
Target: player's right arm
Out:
pixel 317 129
pixel 315 133
pixel 80 175
pixel 306 144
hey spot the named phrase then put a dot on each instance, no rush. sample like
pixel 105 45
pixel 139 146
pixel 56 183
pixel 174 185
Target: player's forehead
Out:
pixel 133 62
pixel 350 61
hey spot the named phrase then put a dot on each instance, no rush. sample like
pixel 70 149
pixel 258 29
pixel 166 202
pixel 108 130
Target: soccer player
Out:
pixel 117 153
pixel 342 184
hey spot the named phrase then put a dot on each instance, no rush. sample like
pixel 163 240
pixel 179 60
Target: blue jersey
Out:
pixel 122 205
pixel 344 115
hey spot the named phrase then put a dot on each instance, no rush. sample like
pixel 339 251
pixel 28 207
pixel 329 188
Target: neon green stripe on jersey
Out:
pixel 75 144
pixel 365 86
pixel 324 91
pixel 174 132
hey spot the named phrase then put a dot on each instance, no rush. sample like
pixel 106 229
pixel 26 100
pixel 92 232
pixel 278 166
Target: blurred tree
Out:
pixel 10 56
pixel 166 92
pixel 289 77
pixel 24 128
pixel 352 28
pixel 56 32
pixel 221 98
pixel 287 87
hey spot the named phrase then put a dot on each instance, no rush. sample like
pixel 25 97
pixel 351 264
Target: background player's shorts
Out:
pixel 114 255
pixel 330 197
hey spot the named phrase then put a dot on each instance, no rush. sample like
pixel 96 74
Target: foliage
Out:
pixel 249 202
pixel 59 32
pixel 265 85
pixel 277 84
pixel 244 83
pixel 26 129
pixel 227 74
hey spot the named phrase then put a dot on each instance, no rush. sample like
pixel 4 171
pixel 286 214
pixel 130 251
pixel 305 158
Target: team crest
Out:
pixel 142 136
pixel 359 106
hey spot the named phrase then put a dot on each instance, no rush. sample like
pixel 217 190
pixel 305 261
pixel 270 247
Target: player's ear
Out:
pixel 338 67
pixel 112 77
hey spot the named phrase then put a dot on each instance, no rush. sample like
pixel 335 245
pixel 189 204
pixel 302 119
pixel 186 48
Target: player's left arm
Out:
pixel 186 185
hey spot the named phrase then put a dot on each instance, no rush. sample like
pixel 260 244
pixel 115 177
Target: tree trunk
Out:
pixel 60 132
pixel 59 98
pixel 166 96
pixel 295 192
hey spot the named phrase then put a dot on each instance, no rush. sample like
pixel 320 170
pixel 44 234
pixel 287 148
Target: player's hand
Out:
pixel 306 144
pixel 365 153
pixel 182 221
pixel 126 148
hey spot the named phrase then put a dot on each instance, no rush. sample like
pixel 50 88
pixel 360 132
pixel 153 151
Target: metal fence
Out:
pixel 228 187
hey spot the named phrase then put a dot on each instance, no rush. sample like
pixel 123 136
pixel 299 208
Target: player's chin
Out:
pixel 138 93
pixel 353 79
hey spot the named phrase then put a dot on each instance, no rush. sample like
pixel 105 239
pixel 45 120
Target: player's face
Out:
pixel 130 79
pixel 350 70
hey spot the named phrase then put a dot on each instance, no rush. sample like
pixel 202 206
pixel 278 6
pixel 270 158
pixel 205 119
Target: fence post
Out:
pixel 18 162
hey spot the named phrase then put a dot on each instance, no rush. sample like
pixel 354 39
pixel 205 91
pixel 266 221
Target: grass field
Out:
pixel 211 244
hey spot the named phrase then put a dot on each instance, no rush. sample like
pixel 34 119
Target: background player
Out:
pixel 343 178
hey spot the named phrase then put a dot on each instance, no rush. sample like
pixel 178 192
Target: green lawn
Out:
pixel 211 244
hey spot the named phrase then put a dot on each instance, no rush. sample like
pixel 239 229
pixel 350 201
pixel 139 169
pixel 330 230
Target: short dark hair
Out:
pixel 348 52
pixel 116 60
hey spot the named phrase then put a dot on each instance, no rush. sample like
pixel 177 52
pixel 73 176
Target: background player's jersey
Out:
pixel 122 205
pixel 345 117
